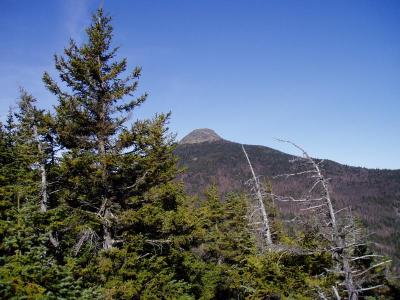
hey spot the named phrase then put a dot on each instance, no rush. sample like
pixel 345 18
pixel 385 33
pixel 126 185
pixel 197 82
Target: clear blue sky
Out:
pixel 325 74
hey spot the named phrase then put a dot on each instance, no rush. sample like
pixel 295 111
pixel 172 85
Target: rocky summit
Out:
pixel 200 136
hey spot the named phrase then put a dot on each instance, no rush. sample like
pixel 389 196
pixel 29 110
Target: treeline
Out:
pixel 90 207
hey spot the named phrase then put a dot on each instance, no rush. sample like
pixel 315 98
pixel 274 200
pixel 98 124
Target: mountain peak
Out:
pixel 201 135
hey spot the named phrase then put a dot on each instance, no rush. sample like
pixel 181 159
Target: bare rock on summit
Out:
pixel 200 136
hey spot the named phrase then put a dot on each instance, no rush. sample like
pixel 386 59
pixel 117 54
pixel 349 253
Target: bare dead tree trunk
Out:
pixel 259 195
pixel 43 173
pixel 43 182
pixel 348 278
pixel 108 241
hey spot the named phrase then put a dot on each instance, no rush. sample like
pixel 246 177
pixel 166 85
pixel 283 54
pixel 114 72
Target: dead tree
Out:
pixel 259 212
pixel 42 169
pixel 43 180
pixel 337 227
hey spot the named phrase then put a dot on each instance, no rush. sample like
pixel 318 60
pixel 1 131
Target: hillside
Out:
pixel 373 194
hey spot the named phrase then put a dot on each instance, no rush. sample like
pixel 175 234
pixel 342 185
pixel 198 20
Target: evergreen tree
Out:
pixel 118 191
pixel 28 268
pixel 8 167
pixel 90 125
pixel 225 243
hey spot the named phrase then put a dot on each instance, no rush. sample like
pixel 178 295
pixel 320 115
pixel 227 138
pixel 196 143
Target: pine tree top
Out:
pixel 98 98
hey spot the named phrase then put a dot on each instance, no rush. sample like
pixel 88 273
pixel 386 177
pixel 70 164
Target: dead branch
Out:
pixel 53 240
pixel 366 256
pixel 340 230
pixel 371 288
pixel 87 235
pixel 336 293
pixel 372 267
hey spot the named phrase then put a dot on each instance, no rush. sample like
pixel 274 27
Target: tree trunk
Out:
pixel 108 241
pixel 267 229
pixel 105 212
pixel 43 173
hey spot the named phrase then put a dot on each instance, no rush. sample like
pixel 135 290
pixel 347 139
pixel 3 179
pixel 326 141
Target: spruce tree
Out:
pixel 125 225
pixel 90 125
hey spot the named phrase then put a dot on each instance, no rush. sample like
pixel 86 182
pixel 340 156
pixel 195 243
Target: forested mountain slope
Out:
pixel 373 194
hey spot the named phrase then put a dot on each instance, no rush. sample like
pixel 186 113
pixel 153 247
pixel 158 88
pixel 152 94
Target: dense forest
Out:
pixel 90 207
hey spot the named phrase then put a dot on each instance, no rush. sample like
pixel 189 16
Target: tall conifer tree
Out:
pixel 90 123
pixel 118 187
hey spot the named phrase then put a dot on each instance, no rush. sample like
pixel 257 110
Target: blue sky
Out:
pixel 324 74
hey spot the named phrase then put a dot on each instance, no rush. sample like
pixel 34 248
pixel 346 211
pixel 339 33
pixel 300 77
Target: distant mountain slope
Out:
pixel 373 194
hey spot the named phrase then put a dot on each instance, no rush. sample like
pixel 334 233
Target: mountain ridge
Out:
pixel 367 191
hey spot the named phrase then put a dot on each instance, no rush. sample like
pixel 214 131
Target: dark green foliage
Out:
pixel 124 219
pixel 232 267
pixel 28 269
